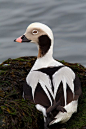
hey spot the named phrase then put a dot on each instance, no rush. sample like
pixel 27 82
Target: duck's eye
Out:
pixel 34 32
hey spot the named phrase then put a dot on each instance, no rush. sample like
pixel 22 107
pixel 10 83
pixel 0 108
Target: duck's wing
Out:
pixel 71 107
pixel 65 76
pixel 37 77
pixel 72 90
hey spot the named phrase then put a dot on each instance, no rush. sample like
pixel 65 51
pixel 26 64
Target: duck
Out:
pixel 52 86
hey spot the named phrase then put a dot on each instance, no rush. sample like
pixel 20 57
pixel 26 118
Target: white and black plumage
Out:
pixel 53 87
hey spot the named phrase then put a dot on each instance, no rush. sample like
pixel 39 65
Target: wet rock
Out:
pixel 15 113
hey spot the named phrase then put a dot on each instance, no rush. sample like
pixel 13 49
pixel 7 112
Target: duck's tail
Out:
pixel 64 117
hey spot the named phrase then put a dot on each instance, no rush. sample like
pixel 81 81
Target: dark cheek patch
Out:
pixel 44 44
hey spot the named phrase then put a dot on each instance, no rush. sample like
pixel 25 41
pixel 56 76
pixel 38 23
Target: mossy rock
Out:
pixel 15 113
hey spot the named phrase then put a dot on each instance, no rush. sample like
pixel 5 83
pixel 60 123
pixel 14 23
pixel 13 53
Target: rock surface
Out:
pixel 15 113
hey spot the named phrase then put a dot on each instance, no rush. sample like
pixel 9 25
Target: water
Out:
pixel 67 19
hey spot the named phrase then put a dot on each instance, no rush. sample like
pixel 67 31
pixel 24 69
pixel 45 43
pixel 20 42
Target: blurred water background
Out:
pixel 66 18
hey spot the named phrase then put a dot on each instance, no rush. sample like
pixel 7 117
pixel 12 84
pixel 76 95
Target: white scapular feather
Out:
pixel 42 109
pixel 36 77
pixel 66 76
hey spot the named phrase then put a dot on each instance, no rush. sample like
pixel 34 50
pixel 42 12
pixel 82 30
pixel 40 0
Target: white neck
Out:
pixel 46 61
pixel 48 56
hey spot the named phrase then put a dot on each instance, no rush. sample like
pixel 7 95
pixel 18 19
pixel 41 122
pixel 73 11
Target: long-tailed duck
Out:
pixel 53 87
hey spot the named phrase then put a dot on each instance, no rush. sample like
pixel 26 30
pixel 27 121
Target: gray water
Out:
pixel 66 18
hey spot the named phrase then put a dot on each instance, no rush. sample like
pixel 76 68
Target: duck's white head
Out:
pixel 40 34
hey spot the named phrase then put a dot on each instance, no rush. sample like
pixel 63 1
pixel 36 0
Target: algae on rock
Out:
pixel 15 113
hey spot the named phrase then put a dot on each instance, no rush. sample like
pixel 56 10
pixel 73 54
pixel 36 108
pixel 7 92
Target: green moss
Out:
pixel 20 59
pixel 16 112
pixel 2 72
pixel 1 112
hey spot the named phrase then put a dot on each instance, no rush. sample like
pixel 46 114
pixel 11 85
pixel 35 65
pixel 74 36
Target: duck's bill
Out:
pixel 22 39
